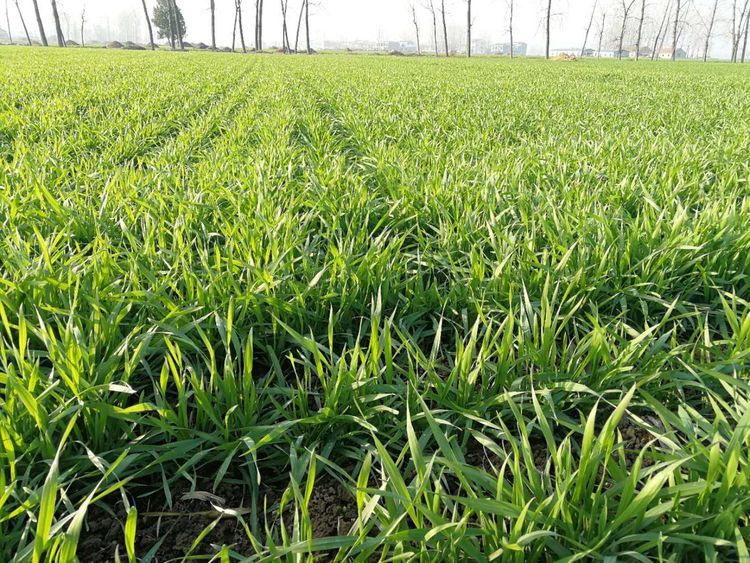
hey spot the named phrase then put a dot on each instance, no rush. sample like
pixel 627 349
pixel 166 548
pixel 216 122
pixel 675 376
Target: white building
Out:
pixel 644 52
pixel 480 46
pixel 666 54
pixel 613 54
pixel 519 49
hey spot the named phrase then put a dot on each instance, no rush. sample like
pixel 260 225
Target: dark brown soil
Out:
pixel 635 440
pixel 540 453
pixel 179 528
pixel 479 456
pixel 332 509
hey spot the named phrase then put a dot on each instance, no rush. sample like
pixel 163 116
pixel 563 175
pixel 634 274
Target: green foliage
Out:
pixel 504 305
pixel 161 19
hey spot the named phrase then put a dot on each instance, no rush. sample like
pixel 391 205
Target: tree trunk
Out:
pixel 445 29
pixel 549 17
pixel 234 29
pixel 170 15
pixel 747 31
pixel 213 25
pixel 666 31
pixel 468 28
pixel 177 27
pixel 83 22
pixel 626 12
pixel 737 28
pixel 675 31
pixel 588 29
pixel 601 35
pixel 299 25
pixel 258 25
pixel 284 30
pixel 640 31
pixel 434 28
pixel 242 31
pixel 510 28
pixel 7 21
pixel 23 23
pixel 42 35
pixel 416 28
pixel 148 23
pixel 709 31
pixel 662 30
pixel 734 31
pixel 307 26
pixel 58 27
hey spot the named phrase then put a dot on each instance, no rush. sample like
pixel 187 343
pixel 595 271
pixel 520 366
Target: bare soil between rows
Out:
pixel 171 532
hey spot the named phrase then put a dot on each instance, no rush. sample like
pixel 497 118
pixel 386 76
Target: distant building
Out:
pixel 643 52
pixel 371 46
pixel 388 46
pixel 481 47
pixel 407 47
pixel 613 54
pixel 519 49
pixel 666 54
pixel 573 52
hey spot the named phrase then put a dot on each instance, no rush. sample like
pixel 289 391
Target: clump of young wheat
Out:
pixel 499 309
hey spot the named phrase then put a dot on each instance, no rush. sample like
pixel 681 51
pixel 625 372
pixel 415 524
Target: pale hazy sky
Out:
pixel 369 19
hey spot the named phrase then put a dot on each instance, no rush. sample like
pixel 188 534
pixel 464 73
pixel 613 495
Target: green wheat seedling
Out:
pixel 372 309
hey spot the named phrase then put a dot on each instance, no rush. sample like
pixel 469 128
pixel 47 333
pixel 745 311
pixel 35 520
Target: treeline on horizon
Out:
pixel 623 28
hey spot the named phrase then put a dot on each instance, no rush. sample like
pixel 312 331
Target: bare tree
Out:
pixel 23 23
pixel 148 23
pixel 172 33
pixel 747 32
pixel 547 27
pixel 7 21
pixel 416 27
pixel 83 23
pixel 307 26
pixel 588 29
pixel 234 27
pixel 238 6
pixel 626 8
pixel 177 26
pixel 58 27
pixel 42 35
pixel 510 27
pixel 640 31
pixel 734 30
pixel 445 28
pixel 601 35
pixel 299 24
pixel 676 30
pixel 213 25
pixel 284 30
pixel 662 31
pixel 709 30
pixel 666 31
pixel 468 28
pixel 737 27
pixel 431 7
pixel 258 25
